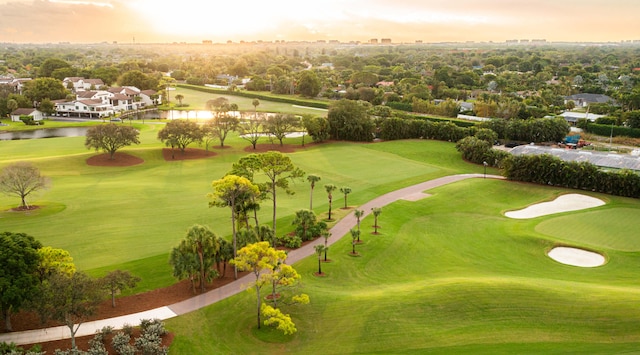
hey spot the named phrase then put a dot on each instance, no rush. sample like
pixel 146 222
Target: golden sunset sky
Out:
pixel 163 21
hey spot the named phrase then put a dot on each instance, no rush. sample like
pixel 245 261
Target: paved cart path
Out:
pixel 411 193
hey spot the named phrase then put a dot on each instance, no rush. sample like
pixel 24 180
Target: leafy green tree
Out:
pixel 44 88
pixel 226 192
pixel 258 258
pixel 345 191
pixel 180 133
pixel 280 170
pixel 108 75
pixel 22 179
pixel 280 125
pixel 309 84
pixel 138 79
pixel 251 131
pixel 111 137
pixel 47 107
pixel 317 127
pixel 330 188
pixel 19 261
pixel 350 120
pixel 194 257
pixel 118 281
pixel 69 300
pixel 218 105
pixel 312 180
pixel 221 125
pixel 179 97
pixel 49 65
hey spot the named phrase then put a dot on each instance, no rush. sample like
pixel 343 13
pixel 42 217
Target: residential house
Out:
pixel 125 98
pixel 16 84
pixel 149 98
pixel 584 100
pixel 78 84
pixel 15 115
pixel 87 108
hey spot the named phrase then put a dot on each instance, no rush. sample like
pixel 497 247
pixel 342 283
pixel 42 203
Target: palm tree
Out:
pixel 355 234
pixel 319 249
pixel 304 220
pixel 330 188
pixel 358 214
pixel 376 212
pixel 312 179
pixel 255 104
pixel 326 234
pixel 345 190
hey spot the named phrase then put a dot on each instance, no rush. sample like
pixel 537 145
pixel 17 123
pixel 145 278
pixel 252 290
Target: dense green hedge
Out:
pixel 546 169
pixel 479 151
pixel 256 95
pixel 398 128
pixel 605 130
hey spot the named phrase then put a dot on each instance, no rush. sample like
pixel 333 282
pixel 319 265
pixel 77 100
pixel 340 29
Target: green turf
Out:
pixel 609 228
pixel 197 100
pixel 448 274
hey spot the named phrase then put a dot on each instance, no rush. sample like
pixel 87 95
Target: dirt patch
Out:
pixel 119 159
pixel 189 153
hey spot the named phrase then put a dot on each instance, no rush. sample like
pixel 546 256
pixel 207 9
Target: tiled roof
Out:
pixel 22 111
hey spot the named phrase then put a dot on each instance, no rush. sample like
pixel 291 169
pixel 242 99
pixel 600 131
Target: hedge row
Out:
pixel 605 130
pixel 546 169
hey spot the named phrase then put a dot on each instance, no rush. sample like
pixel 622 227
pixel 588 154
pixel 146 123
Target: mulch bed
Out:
pixel 124 305
pixel 119 159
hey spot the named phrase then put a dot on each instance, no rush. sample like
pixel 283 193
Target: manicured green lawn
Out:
pixel 197 101
pixel 448 274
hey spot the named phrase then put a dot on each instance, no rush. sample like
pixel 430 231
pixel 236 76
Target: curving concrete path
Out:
pixel 411 193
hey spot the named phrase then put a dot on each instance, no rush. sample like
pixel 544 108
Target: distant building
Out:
pixel 373 41
pixel 32 112
pixel 583 100
pixel 385 41
pixel 207 42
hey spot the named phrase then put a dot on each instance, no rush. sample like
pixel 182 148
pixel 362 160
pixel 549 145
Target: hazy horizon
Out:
pixel 152 21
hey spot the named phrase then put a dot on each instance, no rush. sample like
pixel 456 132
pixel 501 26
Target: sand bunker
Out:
pixel 564 203
pixel 576 257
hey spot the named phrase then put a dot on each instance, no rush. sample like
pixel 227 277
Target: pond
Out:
pixel 44 133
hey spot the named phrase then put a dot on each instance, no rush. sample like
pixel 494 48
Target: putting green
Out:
pixel 610 228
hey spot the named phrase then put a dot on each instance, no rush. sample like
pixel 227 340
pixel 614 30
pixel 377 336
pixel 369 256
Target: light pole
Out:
pixel 485 168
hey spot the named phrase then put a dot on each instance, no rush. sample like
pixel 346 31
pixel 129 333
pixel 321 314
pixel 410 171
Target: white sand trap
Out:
pixel 576 257
pixel 564 203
